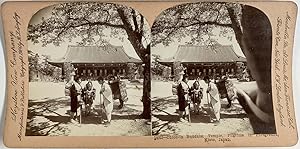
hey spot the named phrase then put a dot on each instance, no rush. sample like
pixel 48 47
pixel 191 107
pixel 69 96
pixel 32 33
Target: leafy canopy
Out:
pixel 94 23
pixel 194 20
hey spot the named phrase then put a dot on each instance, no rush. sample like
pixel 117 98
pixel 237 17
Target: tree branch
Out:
pixel 132 35
pixel 134 18
pixel 235 25
pixel 142 24
pixel 205 23
pixel 64 28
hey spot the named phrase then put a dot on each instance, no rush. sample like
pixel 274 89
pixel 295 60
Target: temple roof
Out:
pixel 204 54
pixel 95 54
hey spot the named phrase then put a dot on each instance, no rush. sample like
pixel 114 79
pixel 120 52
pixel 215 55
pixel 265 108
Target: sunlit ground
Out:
pixel 48 113
pixel 165 113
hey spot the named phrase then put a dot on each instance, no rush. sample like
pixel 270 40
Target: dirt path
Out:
pixel 48 114
pixel 165 115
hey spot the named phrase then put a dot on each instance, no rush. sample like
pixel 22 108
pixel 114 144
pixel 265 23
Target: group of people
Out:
pixel 222 88
pixel 83 96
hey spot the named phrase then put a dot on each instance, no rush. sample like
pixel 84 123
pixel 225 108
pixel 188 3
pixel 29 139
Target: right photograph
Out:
pixel 211 70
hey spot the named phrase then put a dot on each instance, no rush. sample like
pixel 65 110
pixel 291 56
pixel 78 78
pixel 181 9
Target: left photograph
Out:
pixel 89 71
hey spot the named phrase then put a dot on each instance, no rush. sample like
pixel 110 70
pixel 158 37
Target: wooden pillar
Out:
pixel 88 72
pixel 84 71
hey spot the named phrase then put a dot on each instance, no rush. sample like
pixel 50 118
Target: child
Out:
pixel 88 97
pixel 196 92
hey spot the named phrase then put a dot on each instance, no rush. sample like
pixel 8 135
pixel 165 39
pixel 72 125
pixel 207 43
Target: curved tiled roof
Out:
pixel 204 54
pixel 95 54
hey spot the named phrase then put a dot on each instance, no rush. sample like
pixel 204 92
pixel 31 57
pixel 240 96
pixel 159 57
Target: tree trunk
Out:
pixel 146 91
pixel 256 43
pixel 135 38
pixel 255 40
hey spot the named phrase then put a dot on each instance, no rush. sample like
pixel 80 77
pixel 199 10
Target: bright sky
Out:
pixel 169 51
pixel 57 52
pixel 165 51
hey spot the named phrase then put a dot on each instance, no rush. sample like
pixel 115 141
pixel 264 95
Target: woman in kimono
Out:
pixel 213 99
pixel 114 83
pixel 196 92
pixel 75 94
pixel 227 90
pixel 231 93
pixel 106 98
pixel 183 99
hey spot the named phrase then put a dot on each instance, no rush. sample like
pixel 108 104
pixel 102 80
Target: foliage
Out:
pixel 140 71
pixel 93 23
pixel 252 31
pixel 131 72
pixel 33 61
pixel 39 65
pixel 178 68
pixel 167 72
pixel 156 67
pixel 195 21
pixel 68 68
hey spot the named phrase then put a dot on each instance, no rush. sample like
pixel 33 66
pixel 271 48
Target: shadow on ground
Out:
pixel 52 116
pixel 166 121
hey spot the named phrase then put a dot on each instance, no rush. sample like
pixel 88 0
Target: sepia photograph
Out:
pixel 89 71
pixel 211 70
pixel 163 74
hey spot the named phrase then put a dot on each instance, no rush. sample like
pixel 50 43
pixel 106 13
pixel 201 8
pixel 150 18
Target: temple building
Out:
pixel 96 60
pixel 207 60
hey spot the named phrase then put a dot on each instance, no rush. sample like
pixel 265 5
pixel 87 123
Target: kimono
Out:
pixel 226 89
pixel 196 92
pixel 89 94
pixel 182 93
pixel 106 99
pixel 231 90
pixel 222 88
pixel 214 99
pixel 118 88
pixel 123 91
pixel 75 92
pixel 115 88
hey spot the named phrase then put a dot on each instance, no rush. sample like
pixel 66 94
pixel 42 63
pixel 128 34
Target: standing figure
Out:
pixel 196 92
pixel 75 94
pixel 227 90
pixel 213 99
pixel 106 97
pixel 183 99
pixel 89 94
pixel 114 83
